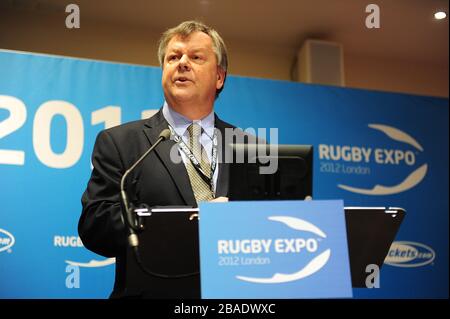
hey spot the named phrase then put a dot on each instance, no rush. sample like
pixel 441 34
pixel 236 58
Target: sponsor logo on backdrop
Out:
pixel 75 242
pixel 303 245
pixel 358 160
pixel 7 240
pixel 409 254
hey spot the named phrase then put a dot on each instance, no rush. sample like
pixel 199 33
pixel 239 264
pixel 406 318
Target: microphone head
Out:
pixel 165 134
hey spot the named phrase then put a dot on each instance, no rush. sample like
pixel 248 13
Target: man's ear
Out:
pixel 220 77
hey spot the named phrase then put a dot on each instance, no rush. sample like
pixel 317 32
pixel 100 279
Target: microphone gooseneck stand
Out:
pixel 131 224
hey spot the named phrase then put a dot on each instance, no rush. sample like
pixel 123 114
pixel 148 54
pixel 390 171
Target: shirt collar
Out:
pixel 180 123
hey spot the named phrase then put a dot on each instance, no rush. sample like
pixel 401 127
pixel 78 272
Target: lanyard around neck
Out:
pixel 187 151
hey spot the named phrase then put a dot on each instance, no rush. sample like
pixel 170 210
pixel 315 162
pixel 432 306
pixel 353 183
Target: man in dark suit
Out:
pixel 193 58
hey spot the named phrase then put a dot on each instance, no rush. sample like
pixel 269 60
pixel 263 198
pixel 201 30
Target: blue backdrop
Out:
pixel 371 149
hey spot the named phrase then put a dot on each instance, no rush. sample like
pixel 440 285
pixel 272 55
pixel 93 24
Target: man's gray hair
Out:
pixel 186 28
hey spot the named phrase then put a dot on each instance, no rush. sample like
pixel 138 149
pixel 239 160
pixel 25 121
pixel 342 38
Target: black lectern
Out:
pixel 170 248
pixel 370 233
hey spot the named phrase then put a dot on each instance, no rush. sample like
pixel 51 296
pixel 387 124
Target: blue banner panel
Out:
pixel 276 249
pixel 370 149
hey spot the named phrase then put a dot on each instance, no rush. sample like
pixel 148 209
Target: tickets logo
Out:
pixel 312 267
pixel 6 240
pixel 383 156
pixel 409 254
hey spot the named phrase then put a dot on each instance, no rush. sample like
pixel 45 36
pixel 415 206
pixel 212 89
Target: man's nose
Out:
pixel 184 63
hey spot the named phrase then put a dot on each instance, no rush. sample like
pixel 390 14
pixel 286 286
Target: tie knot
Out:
pixel 195 130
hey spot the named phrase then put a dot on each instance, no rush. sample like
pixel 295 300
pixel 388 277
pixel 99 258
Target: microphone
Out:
pixel 127 213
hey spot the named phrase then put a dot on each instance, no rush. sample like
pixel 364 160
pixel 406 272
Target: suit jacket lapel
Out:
pixel 153 128
pixel 224 168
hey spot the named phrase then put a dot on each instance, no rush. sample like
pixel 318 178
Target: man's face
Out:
pixel 190 70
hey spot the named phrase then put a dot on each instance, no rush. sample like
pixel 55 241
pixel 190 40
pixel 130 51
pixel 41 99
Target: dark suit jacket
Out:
pixel 157 181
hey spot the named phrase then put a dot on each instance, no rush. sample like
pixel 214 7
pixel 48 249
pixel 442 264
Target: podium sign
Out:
pixel 274 249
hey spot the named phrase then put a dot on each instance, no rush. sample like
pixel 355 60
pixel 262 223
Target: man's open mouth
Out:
pixel 182 79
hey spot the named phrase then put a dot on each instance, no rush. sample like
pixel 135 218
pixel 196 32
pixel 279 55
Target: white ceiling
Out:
pixel 408 29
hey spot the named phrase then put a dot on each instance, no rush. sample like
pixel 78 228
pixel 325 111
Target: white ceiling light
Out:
pixel 440 15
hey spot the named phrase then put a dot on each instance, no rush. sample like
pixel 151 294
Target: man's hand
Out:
pixel 221 199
